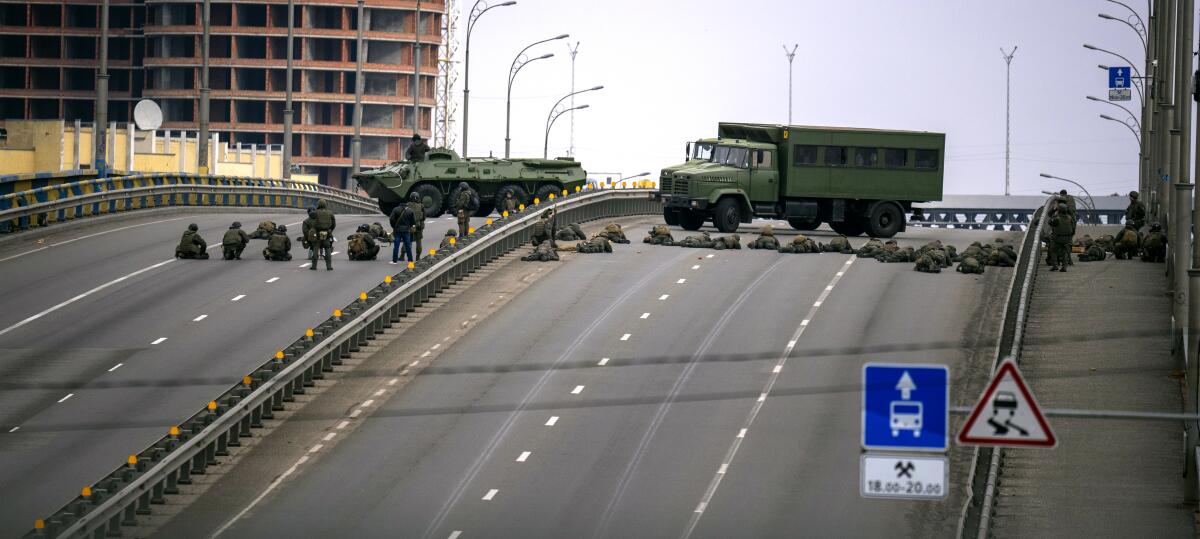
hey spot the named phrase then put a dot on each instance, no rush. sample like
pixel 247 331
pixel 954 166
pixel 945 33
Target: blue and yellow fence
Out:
pixel 57 202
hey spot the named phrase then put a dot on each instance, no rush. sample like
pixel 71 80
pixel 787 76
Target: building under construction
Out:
pixel 48 65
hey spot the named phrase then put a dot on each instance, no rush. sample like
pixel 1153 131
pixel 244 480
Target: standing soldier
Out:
pixel 418 231
pixel 324 225
pixel 308 232
pixel 509 204
pixel 416 150
pixel 402 221
pixel 191 245
pixel 1135 214
pixel 1063 232
pixel 465 205
pixel 234 241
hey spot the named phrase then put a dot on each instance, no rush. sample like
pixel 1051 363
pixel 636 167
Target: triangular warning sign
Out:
pixel 1007 414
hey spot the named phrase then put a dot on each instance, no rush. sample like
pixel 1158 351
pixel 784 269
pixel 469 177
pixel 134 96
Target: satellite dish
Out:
pixel 147 115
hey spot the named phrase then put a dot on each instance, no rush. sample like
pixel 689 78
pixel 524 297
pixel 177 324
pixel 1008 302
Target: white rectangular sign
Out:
pixel 1118 94
pixel 904 476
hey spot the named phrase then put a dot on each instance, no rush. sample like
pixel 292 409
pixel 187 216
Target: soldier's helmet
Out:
pixel 364 227
pixel 414 197
pixel 1133 194
pixel 1063 192
pixel 1155 227
pixel 236 224
pixel 312 212
pixel 463 185
pixel 193 227
pixel 767 230
pixel 451 232
pixel 416 136
pixel 281 228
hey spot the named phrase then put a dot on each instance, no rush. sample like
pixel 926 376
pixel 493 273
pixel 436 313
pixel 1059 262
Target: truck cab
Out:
pixel 723 178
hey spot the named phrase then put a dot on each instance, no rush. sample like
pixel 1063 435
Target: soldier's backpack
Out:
pixel 357 244
pixel 418 215
pixel 232 237
pixel 278 243
pixel 267 226
pixel 324 220
pixel 661 230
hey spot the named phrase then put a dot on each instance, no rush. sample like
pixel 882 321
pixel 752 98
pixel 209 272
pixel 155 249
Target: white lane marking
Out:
pixel 84 295
pixel 696 267
pixel 379 393
pixel 356 412
pixel 454 534
pixel 778 369
pixel 681 281
pixel 490 494
pixel 264 494
pixel 14 429
pixel 577 390
pixel 663 297
pixel 342 425
pixel 700 508
pixel 435 346
pixel 199 318
pixel 158 340
pixel 474 316
pixel 753 414
pixel 645 316
pixel 238 297
pixel 626 336
pixel 445 339
pixel 393 381
pixel 709 256
pixel 69 395
pixel 329 436
pixel 368 402
pixel 550 422
pixel 414 364
pixel 315 448
pixel 72 240
pixel 294 224
pixel 304 265
pixel 334 253
pixel 426 354
pixel 272 279
pixel 724 468
pixel 816 304
pixel 115 367
pixel 524 456
pixel 603 361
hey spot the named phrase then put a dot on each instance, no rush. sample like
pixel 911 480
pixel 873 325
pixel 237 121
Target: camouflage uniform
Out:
pixel 970 264
pixel 974 250
pixel 1125 246
pixel 926 264
pixel 659 235
pixel 463 208
pixel 1135 213
pixel 614 233
pixel 1107 242
pixel 191 245
pixel 1002 256
pixel 379 233
pixel 446 239
pixel 800 245
pixel 234 242
pixel 839 244
pixel 870 249
pixel 1154 245
pixel 766 240
pixel 1063 230
pixel 732 241
pixel 1093 253
pixel 279 247
pixel 323 247
pixel 698 241
pixel 361 245
pixel 417 150
pixel 543 252
pixel 598 244
pixel 893 253
pixel 264 230
pixel 570 232
pixel 541 231
pixel 509 204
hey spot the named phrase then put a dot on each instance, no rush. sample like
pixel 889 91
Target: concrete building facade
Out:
pixel 155 52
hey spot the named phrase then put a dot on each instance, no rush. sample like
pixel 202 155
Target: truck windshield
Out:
pixel 731 155
pixel 702 150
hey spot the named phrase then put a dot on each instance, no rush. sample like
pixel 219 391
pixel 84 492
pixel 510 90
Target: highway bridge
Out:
pixel 651 392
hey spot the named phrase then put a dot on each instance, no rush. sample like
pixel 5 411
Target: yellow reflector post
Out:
pixel 489 220
pixel 551 196
pixel 246 380
pixel 337 313
pixel 132 460
pixel 39 524
pixel 212 405
pixel 308 333
pixel 521 207
pixel 175 429
pixel 565 192
pixel 537 201
pixel 432 252
pixel 505 214
pixel 453 240
pixel 411 265
pixel 86 492
pixel 279 354
pixel 362 296
pixel 387 279
pixel 471 229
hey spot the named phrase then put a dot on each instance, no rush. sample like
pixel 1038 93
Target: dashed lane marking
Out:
pixel 238 297
pixel 426 354
pixel 491 494
pixel 115 367
pixel 357 412
pixel 199 318
pixel 778 369
pixel 380 393
pixel 315 448
pixel 158 340
pixel 577 390
pixel 414 364
pixel 549 422
pixel 524 456
pixel 254 502
pixel 709 256
pixel 681 281
pixel 663 297
pixel 342 425
pixel 304 265
pixel 272 279
pixel 64 399
pixel 645 316
pixel 696 267
pixel 14 429
pixel 603 361
pixel 454 534
pixel 393 381
pixel 329 436
pixel 741 433
pixel 368 402
pixel 435 346
pixel 626 336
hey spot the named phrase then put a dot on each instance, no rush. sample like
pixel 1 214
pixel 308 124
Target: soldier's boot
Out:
pixel 313 267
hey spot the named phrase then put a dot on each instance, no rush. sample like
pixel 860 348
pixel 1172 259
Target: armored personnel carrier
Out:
pixel 436 180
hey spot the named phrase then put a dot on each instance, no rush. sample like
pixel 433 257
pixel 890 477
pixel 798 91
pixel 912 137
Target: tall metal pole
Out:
pixel 99 133
pixel 574 50
pixel 520 61
pixel 791 55
pixel 202 138
pixel 1008 56
pixel 417 72
pixel 356 141
pixel 1180 227
pixel 476 13
pixel 287 100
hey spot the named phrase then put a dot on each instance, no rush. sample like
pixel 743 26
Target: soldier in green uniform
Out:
pixel 1093 253
pixel 800 244
pixel 571 232
pixel 308 232
pixel 234 242
pixel 418 229
pixel 614 233
pixel 974 250
pixel 361 245
pixel 839 244
pixel 766 240
pixel 926 264
pixel 1002 256
pixel 970 264
pixel 465 206
pixel 279 247
pixel 543 229
pixel 264 230
pixel 416 150
pixel 1107 242
pixel 659 235
pixel 509 204
pixel 732 241
pixel 542 252
pixel 325 223
pixel 446 239
pixel 697 241
pixel 191 245
pixel 870 249
pixel 379 233
pixel 1062 233
pixel 1135 213
pixel 1125 245
pixel 598 244
pixel 1154 245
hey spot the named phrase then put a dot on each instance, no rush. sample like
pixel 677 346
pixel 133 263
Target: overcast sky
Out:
pixel 673 69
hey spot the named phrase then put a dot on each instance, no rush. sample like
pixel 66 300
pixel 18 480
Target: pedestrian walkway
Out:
pixel 1098 338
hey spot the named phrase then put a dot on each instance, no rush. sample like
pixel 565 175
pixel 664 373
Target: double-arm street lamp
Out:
pixel 520 61
pixel 557 110
pixel 1132 116
pixel 477 11
pixel 1125 123
pixel 1137 72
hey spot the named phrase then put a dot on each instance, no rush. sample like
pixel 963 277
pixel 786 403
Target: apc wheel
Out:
pixel 387 207
pixel 671 217
pixel 803 224
pixel 690 220
pixel 485 209
pixel 431 197
pixel 518 192
pixel 847 228
pixel 727 216
pixel 543 193
pixel 885 220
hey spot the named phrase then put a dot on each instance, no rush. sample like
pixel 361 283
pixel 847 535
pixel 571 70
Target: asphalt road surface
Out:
pixel 106 340
pixel 654 392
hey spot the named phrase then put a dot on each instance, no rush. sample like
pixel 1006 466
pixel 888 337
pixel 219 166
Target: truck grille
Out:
pixel 664 184
pixel 679 186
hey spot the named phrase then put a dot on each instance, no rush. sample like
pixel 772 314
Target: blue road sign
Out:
pixel 906 407
pixel 1118 77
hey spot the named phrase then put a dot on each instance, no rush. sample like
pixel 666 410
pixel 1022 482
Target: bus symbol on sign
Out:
pixel 906 415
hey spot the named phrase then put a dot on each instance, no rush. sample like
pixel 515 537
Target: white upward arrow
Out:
pixel 905 386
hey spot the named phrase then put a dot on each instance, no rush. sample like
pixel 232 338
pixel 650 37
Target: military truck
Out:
pixel 436 180
pixel 857 180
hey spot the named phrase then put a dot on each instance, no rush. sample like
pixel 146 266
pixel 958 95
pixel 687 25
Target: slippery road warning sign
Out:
pixel 1007 414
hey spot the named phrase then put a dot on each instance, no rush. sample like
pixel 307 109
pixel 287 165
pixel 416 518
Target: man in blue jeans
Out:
pixel 402 221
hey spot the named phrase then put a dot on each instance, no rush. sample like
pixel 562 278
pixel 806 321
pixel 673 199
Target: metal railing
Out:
pixel 985 462
pixel 990 219
pixel 42 206
pixel 200 441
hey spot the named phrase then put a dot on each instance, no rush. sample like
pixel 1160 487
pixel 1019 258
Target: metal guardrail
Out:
pixel 200 441
pixel 1013 219
pixel 63 202
pixel 985 462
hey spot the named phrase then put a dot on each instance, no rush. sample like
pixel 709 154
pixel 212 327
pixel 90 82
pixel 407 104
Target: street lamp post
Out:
pixel 288 115
pixel 1125 123
pixel 205 91
pixel 476 13
pixel 1122 107
pixel 520 61
pixel 554 114
pixel 356 139
pixel 1091 201
pixel 99 135
pixel 555 108
pixel 1008 56
pixel 791 55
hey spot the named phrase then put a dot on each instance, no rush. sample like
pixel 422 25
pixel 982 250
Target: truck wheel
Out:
pixel 690 220
pixel 431 197
pixel 804 224
pixel 543 193
pixel 727 216
pixel 485 209
pixel 671 217
pixel 518 192
pixel 847 228
pixel 387 207
pixel 884 220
